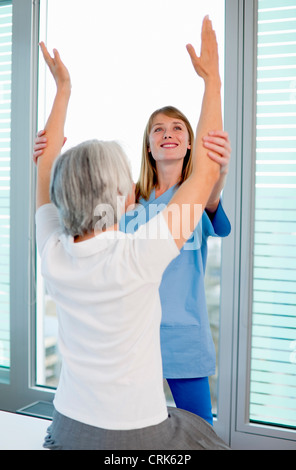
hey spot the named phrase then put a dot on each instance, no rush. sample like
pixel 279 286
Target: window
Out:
pixel 273 353
pixel 252 275
pixel 132 73
pixel 5 121
pixel 264 320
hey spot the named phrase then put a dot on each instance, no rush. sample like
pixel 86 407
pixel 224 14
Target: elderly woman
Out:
pixel 105 283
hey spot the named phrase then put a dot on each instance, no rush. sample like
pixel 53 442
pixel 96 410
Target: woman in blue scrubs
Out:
pixel 188 350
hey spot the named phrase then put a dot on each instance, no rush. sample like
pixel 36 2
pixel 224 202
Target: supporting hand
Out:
pixel 219 146
pixel 40 144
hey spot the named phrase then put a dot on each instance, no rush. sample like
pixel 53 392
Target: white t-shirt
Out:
pixel 109 312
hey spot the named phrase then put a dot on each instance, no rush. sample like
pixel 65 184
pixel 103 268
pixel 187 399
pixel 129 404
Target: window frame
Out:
pixel 19 389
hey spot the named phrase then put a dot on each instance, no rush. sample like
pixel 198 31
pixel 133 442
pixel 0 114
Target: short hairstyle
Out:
pixel 92 173
pixel 148 174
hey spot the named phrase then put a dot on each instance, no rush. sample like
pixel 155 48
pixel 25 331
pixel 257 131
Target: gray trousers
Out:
pixel 180 431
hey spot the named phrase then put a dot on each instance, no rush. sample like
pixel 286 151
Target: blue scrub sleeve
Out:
pixel 220 225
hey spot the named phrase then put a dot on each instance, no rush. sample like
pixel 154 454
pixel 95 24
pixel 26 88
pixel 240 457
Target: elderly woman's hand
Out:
pixel 58 69
pixel 207 65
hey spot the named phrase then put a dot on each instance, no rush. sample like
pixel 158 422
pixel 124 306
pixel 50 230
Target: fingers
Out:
pixel 47 57
pixel 193 56
pixel 207 64
pixel 40 138
pixel 220 138
pixel 196 61
pixel 220 133
pixel 38 149
pixel 208 37
pixel 36 155
pixel 39 145
pixel 218 144
pixel 222 150
pixel 54 63
pixel 50 60
pixel 191 51
pixel 40 133
pixel 56 55
pixel 220 160
pixel 206 25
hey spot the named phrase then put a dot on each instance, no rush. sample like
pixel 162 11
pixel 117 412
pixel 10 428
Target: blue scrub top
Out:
pixel 186 341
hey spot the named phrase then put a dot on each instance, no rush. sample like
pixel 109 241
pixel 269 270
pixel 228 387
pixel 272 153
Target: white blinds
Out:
pixel 273 361
pixel 5 106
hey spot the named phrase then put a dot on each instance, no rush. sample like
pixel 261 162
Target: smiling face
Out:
pixel 168 138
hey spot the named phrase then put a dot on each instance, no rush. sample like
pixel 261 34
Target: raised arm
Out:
pixel 54 128
pixel 185 208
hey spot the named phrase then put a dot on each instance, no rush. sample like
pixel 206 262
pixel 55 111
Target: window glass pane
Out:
pixel 212 283
pixel 126 58
pixel 5 107
pixel 273 363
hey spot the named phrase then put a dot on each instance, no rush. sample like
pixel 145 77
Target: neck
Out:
pixel 95 233
pixel 168 174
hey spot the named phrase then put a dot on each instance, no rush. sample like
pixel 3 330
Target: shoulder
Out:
pixel 47 224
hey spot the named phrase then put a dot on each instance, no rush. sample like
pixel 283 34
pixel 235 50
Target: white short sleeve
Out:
pixel 154 248
pixel 47 223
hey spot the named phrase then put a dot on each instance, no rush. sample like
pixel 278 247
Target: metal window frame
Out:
pixel 222 423
pixel 19 389
pixel 244 434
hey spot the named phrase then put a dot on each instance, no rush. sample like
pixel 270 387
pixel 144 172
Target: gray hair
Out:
pixel 90 175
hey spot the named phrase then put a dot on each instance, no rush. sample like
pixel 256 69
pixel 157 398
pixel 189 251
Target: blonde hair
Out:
pixel 148 174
